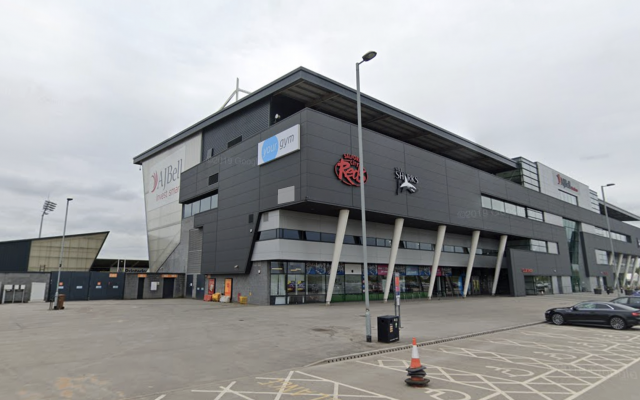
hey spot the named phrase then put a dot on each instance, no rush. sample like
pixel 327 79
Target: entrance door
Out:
pixel 140 288
pixel 189 292
pixel 37 291
pixel 167 288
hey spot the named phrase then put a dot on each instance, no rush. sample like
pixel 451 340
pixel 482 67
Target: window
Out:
pixel 497 205
pixel 602 257
pixel 328 237
pixel 195 207
pixel 213 179
pixel 569 198
pixel 383 242
pixel 535 214
pixel 186 210
pixel 448 249
pixel 371 241
pixel 462 250
pixel 603 307
pixel 539 246
pixel 521 211
pixel 312 236
pixel 205 204
pixel 486 202
pixel 214 201
pixel 268 235
pixel 411 245
pixel 290 234
pixel 427 246
pixel 510 208
pixel 234 141
pixel 552 247
pixel 350 239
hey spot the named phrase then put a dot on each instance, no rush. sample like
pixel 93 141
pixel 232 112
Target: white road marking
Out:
pixel 161 397
pixel 284 385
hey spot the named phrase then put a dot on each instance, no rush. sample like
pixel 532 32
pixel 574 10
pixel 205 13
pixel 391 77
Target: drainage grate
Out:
pixel 422 344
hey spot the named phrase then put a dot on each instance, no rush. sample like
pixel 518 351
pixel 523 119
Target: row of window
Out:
pixel 198 206
pixel 540 246
pixel 614 235
pixel 602 257
pixel 569 198
pixel 311 236
pixel 513 209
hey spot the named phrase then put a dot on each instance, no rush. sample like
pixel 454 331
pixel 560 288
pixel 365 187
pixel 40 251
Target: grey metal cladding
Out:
pixel 14 256
pixel 246 123
pixel 188 187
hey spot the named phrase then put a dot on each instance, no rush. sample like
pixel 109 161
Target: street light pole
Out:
pixel 64 231
pixel 47 206
pixel 367 57
pixel 606 213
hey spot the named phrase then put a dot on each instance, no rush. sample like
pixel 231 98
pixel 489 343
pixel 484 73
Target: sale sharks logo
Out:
pixel 405 181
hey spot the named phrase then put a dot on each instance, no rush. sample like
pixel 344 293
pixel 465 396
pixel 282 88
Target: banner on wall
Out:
pixel 163 182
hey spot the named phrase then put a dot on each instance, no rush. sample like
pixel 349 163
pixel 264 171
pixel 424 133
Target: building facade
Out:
pixel 262 199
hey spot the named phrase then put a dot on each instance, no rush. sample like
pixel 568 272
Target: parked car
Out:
pixel 618 316
pixel 631 301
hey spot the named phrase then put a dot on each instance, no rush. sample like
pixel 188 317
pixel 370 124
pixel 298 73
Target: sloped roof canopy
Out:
pixel 325 95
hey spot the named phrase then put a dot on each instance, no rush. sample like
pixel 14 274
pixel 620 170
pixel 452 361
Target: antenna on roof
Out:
pixel 235 92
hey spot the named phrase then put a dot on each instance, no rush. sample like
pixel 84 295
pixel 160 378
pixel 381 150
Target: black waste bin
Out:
pixel 388 329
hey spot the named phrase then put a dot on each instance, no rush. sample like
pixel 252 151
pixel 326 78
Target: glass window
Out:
pixel 497 205
pixel 214 201
pixel 295 268
pixel 350 239
pixel 328 237
pixel 534 214
pixel 371 241
pixel 486 202
pixel 462 250
pixel 602 257
pixel 195 207
pixel 412 245
pixel 448 249
pixel 317 284
pixel 510 208
pixel 427 246
pixel 278 285
pixel 186 211
pixel 290 234
pixel 552 247
pixel 380 242
pixel 538 245
pixel 312 236
pixel 205 204
pixel 268 234
pixel 521 212
pixel 277 267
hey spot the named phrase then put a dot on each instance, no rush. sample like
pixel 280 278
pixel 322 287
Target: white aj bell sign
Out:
pixel 279 145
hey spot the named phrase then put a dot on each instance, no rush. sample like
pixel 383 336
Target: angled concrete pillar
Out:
pixel 337 250
pixel 436 257
pixel 395 242
pixel 496 274
pixel 475 237
pixel 626 270
pixel 635 276
pixel 616 283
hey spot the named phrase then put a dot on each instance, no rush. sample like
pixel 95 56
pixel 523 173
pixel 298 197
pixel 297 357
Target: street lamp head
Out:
pixel 369 56
pixel 69 199
pixel 609 184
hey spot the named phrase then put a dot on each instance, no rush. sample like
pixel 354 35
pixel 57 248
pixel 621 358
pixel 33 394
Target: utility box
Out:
pixel 388 329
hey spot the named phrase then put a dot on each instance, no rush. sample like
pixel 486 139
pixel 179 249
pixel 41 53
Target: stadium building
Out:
pixel 262 199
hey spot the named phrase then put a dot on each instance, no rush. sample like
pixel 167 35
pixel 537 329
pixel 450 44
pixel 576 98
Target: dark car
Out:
pixel 631 301
pixel 617 316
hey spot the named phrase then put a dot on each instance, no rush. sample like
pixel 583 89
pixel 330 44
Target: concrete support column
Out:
pixel 475 237
pixel 616 283
pixel 337 250
pixel 436 258
pixel 635 276
pixel 496 275
pixel 626 270
pixel 395 242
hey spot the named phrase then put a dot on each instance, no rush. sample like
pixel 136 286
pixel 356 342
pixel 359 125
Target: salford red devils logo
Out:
pixel 347 170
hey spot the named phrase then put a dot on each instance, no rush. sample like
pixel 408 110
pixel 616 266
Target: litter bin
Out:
pixel 388 329
pixel 60 304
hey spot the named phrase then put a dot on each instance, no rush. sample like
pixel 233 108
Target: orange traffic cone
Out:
pixel 416 370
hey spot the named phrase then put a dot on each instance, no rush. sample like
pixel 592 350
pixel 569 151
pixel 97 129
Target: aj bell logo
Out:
pixel 565 183
pixel 166 176
pixel 405 181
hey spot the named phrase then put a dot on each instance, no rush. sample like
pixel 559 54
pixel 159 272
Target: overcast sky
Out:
pixel 87 85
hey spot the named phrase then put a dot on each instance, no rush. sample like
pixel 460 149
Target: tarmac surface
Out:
pixel 188 349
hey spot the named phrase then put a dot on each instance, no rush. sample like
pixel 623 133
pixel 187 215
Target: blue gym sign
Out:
pixel 279 145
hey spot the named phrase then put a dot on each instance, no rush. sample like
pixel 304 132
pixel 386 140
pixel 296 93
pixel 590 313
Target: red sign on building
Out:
pixel 527 270
pixel 347 170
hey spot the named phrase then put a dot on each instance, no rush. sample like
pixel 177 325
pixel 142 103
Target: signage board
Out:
pixel 348 170
pixel 113 275
pixel 228 285
pixel 163 185
pixel 142 275
pixel 279 145
pixel 170 276
pixel 527 270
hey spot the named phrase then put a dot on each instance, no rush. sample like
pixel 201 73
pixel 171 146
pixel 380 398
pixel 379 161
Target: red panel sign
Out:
pixel 347 170
pixel 527 270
